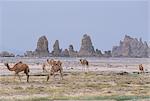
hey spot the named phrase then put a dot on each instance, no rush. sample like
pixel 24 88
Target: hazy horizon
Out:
pixel 107 22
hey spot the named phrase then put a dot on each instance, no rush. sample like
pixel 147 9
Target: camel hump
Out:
pixel 20 62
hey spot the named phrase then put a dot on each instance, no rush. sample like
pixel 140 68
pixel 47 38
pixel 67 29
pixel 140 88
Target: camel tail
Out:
pixel 28 70
pixel 87 63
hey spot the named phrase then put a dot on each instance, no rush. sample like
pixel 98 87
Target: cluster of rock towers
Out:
pixel 86 50
pixel 129 47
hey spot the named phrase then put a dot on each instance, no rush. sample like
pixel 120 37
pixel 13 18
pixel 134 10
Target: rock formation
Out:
pixel 71 49
pixel 149 52
pixel 130 47
pixel 98 53
pixel 56 50
pixel 72 53
pixel 65 53
pixel 6 54
pixel 87 48
pixel 29 54
pixel 107 54
pixel 41 49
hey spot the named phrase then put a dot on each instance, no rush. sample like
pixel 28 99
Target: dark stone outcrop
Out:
pixel 130 47
pixel 56 50
pixel 71 49
pixel 98 53
pixel 107 54
pixel 72 53
pixel 87 48
pixel 6 54
pixel 65 53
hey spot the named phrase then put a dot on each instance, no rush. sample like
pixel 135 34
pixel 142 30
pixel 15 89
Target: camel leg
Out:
pixel 61 74
pixel 84 68
pixel 87 68
pixel 54 76
pixel 19 77
pixel 43 68
pixel 26 72
pixel 27 77
pixel 15 76
pixel 48 77
pixel 142 72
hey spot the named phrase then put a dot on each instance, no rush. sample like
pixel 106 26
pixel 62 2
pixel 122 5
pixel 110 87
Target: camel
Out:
pixel 141 68
pixel 19 67
pixel 48 63
pixel 56 67
pixel 84 62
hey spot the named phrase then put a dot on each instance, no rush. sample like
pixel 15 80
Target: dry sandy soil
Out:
pixel 106 79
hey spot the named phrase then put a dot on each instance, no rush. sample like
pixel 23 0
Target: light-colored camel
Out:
pixel 19 67
pixel 141 68
pixel 56 67
pixel 48 63
pixel 84 62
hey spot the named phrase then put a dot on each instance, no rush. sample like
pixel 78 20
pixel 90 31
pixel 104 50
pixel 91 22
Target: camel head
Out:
pixel 6 64
pixel 59 63
pixel 80 60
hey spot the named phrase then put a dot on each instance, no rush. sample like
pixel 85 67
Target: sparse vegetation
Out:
pixel 84 86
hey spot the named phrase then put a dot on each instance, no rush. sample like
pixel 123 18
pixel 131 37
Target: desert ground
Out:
pixel 107 79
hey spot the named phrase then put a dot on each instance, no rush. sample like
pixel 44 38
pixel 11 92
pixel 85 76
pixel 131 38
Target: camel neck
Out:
pixel 11 69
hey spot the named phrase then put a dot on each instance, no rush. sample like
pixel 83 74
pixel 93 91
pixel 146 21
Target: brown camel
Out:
pixel 141 68
pixel 56 67
pixel 19 67
pixel 84 62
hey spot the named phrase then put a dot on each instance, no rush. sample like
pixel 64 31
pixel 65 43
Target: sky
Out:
pixel 106 22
